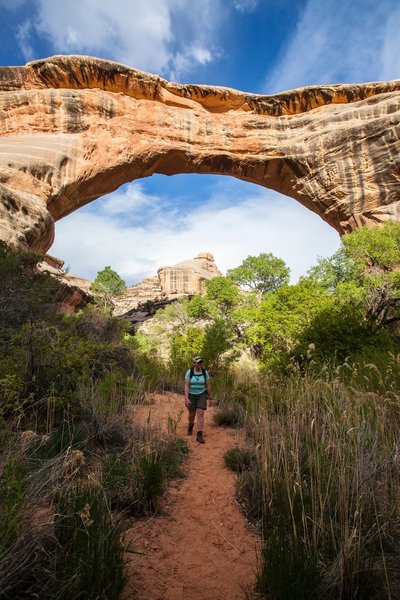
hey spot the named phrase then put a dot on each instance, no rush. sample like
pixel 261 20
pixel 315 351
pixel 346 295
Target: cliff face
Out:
pixel 189 276
pixel 74 128
pixel 185 278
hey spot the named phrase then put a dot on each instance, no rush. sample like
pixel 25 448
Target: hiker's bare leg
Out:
pixel 200 419
pixel 191 417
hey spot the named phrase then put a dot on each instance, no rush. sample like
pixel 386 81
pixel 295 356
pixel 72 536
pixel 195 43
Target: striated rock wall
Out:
pixel 189 276
pixel 185 278
pixel 74 128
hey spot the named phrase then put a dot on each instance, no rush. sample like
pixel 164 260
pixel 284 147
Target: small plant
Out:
pixel 90 563
pixel 151 480
pixel 172 422
pixel 249 493
pixel 230 416
pixel 171 455
pixel 59 440
pixel 239 459
pixel 120 483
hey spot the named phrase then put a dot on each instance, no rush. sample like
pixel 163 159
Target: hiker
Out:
pixel 197 389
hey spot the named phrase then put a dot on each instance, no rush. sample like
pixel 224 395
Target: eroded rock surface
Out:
pixel 140 302
pixel 74 128
pixel 74 292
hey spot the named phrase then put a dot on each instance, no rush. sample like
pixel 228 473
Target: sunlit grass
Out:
pixel 69 487
pixel 329 488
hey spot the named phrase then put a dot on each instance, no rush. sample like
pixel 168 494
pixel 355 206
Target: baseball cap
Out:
pixel 197 359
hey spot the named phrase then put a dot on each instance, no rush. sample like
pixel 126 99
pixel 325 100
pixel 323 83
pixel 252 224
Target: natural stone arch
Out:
pixel 75 128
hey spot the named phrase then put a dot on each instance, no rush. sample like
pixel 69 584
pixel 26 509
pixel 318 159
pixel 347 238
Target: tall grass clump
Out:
pixel 90 563
pixel 330 464
pixel 71 457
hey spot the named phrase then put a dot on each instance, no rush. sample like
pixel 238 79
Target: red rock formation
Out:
pixel 185 278
pixel 73 293
pixel 74 128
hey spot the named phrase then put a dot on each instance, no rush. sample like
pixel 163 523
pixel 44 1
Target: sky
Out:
pixel 258 46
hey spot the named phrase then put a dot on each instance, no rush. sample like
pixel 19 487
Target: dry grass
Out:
pixel 326 484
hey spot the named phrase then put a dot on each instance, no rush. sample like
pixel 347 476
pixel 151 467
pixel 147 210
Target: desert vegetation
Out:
pixel 311 371
pixel 73 464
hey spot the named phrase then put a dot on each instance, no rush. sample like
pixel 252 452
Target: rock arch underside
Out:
pixel 74 128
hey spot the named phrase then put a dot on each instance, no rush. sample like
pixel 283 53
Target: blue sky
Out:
pixel 260 46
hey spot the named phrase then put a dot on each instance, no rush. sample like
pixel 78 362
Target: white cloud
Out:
pixel 201 55
pixel 338 42
pixel 161 36
pixel 129 31
pixel 245 5
pixel 23 35
pixel 391 47
pixel 127 203
pixel 261 221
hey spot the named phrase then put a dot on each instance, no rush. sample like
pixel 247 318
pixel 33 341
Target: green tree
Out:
pixel 281 317
pixel 107 285
pixel 184 348
pixel 262 273
pixel 218 347
pixel 375 253
pixel 339 331
pixel 223 292
pixel 198 307
pixel 333 271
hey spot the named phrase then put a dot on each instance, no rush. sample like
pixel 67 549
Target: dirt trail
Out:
pixel 200 546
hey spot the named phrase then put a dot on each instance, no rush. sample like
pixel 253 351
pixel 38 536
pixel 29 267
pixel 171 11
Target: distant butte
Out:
pixel 74 128
pixel 183 279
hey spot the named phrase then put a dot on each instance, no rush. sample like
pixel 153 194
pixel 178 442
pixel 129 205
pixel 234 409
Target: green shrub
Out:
pixel 230 416
pixel 12 501
pixel 121 485
pixel 239 459
pixel 90 562
pixel 172 453
pixel 151 481
pixel 57 442
pixel 249 492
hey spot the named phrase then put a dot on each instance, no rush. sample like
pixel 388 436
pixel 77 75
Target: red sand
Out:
pixel 200 545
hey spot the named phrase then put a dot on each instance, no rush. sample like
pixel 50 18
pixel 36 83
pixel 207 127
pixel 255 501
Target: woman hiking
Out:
pixel 197 389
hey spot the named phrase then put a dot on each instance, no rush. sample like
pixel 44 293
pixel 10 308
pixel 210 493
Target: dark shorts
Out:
pixel 198 401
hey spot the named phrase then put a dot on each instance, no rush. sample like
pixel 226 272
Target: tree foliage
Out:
pixel 25 292
pixel 42 353
pixel 184 348
pixel 339 309
pixel 223 292
pixel 108 282
pixel 263 273
pixel 375 254
pixel 106 286
pixel 277 322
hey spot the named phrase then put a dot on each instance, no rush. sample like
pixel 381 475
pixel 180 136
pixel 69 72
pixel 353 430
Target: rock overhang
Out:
pixel 74 128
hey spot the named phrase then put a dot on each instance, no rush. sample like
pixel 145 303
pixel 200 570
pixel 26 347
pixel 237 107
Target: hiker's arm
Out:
pixel 187 401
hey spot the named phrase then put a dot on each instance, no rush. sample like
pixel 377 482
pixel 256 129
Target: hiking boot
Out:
pixel 199 437
pixel 190 429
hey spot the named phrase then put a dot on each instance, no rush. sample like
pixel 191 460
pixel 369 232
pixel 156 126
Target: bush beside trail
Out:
pixel 73 466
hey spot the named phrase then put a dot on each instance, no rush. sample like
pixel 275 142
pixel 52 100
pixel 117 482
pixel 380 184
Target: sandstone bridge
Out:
pixel 74 128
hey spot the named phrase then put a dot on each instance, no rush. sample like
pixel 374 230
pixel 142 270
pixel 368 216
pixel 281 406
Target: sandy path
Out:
pixel 200 546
